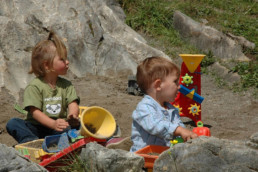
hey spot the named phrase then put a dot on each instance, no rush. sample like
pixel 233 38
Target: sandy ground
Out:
pixel 228 115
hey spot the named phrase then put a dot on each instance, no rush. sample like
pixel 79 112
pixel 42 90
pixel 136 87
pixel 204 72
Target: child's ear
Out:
pixel 157 84
pixel 46 66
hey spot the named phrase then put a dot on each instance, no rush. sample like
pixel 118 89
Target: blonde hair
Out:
pixel 45 51
pixel 153 68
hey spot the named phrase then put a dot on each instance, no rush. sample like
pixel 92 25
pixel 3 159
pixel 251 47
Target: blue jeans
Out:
pixel 24 131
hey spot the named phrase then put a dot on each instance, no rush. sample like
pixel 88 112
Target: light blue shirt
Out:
pixel 153 124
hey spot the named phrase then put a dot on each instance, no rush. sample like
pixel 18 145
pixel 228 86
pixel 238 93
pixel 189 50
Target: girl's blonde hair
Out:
pixel 153 68
pixel 46 51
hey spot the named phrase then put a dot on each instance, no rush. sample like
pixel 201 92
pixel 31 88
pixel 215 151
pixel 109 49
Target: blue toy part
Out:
pixel 73 133
pixel 63 142
pixel 191 94
pixel 55 143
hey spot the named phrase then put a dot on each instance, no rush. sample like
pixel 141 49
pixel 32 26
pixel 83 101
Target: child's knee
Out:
pixel 12 123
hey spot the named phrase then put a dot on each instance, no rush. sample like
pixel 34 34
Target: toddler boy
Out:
pixel 155 120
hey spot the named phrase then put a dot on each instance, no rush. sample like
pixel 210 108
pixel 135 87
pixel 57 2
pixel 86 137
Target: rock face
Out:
pixel 11 160
pixel 225 73
pixel 99 158
pixel 210 154
pixel 98 40
pixel 199 155
pixel 208 39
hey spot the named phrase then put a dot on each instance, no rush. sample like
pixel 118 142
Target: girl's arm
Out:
pixel 73 109
pixel 58 125
pixel 73 113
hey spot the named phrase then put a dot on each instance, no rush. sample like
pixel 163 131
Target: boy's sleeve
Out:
pixel 177 119
pixel 153 122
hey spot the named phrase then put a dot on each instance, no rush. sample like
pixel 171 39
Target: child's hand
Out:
pixel 73 120
pixel 185 133
pixel 60 125
pixel 73 111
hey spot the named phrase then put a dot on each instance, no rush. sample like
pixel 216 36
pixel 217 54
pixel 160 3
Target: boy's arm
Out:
pixel 58 125
pixel 185 133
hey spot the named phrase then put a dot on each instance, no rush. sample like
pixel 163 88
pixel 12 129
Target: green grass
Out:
pixel 154 18
pixel 249 73
pixel 238 17
pixel 74 164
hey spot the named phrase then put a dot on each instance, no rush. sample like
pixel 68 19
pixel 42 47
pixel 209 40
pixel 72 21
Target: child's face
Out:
pixel 60 66
pixel 169 88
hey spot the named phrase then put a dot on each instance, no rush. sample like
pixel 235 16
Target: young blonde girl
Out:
pixel 51 101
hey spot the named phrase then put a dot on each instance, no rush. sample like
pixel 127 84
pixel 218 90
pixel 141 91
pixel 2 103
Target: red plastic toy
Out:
pixel 190 78
pixel 60 159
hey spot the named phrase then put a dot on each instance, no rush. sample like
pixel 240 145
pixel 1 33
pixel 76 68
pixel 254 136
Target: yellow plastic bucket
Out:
pixel 97 122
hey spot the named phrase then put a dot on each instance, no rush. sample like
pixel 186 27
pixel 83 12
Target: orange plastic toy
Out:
pixel 200 130
pixel 150 153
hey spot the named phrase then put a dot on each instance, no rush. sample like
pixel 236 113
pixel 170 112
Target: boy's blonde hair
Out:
pixel 153 68
pixel 45 51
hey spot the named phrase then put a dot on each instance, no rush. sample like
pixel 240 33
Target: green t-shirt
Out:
pixel 52 102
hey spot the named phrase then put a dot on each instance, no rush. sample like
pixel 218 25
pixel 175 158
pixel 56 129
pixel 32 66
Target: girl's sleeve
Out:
pixel 32 97
pixel 153 121
pixel 71 94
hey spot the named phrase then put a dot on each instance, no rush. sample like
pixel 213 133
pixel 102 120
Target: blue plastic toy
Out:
pixel 55 143
pixel 191 94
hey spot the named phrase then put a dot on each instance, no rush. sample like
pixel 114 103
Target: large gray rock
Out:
pixel 98 158
pixel 221 71
pixel 210 154
pixel 198 155
pixel 253 142
pixel 208 39
pixel 11 160
pixel 98 40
